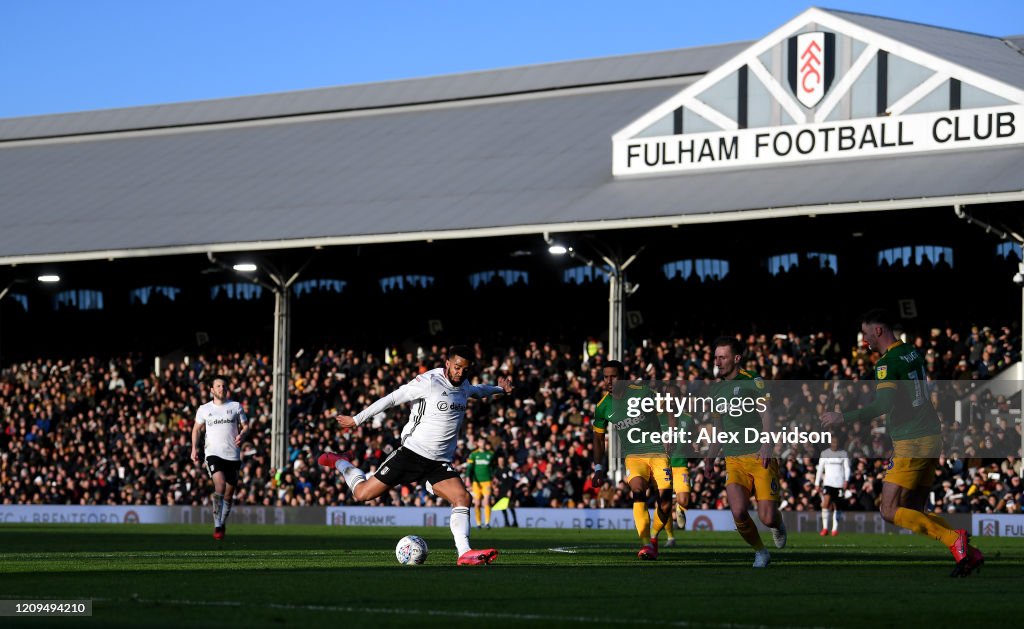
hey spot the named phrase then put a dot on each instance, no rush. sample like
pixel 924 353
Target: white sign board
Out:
pixel 88 514
pixel 867 137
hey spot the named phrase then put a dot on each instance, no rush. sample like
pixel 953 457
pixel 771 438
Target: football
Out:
pixel 411 550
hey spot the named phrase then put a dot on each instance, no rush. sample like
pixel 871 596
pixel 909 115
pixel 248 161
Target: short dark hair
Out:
pixel 877 316
pixel 461 350
pixel 616 365
pixel 731 342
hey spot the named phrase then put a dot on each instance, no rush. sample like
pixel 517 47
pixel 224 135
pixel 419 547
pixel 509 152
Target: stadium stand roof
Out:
pixel 512 151
pixel 990 56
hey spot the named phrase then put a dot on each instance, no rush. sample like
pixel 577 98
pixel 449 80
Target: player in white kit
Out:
pixel 428 444
pixel 225 424
pixel 831 478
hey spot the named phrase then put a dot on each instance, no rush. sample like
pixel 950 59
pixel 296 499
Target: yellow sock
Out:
pixel 669 530
pixel 476 510
pixel 642 519
pixel 748 531
pixel 934 527
pixel 682 510
pixel 938 519
pixel 487 513
pixel 659 523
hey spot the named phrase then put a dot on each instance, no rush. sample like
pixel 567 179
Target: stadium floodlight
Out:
pixel 274 280
pixel 618 290
pixel 1018 277
pixel 556 248
pixel 47 278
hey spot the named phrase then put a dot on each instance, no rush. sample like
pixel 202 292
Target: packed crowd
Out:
pixel 95 431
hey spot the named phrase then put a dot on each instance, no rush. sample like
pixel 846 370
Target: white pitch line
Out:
pixel 572 549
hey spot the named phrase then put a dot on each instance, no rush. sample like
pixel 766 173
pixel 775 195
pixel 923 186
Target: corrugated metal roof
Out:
pixel 529 161
pixel 441 167
pixel 988 55
pixel 910 177
pixel 484 152
pixel 520 80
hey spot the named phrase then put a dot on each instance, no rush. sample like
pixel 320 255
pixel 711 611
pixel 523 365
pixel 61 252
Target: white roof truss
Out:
pixel 942 70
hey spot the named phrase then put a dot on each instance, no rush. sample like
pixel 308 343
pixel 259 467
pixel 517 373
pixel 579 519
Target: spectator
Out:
pixel 75 432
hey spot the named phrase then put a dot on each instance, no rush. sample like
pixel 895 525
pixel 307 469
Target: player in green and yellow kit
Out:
pixel 478 469
pixel 750 467
pixel 646 459
pixel 680 454
pixel 902 395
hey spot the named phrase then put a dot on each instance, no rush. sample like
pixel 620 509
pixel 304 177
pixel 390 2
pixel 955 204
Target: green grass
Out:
pixel 347 576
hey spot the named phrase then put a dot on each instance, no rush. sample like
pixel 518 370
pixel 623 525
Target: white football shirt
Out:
pixel 222 426
pixel 437 412
pixel 834 466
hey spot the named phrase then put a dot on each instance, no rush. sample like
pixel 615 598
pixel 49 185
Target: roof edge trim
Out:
pixel 520 230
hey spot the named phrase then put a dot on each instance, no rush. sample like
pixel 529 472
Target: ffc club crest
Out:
pixel 812 66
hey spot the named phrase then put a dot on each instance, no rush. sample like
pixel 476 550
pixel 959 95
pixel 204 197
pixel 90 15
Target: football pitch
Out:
pixel 310 576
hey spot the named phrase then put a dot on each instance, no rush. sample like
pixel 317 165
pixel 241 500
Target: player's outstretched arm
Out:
pixel 196 429
pixel 243 430
pixel 600 471
pixel 714 448
pixel 673 426
pixel 767 425
pixel 347 422
pixel 483 390
pixel 831 419
pixel 885 397
pixel 418 388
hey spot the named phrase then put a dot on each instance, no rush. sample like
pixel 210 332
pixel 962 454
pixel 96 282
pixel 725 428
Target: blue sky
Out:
pixel 74 55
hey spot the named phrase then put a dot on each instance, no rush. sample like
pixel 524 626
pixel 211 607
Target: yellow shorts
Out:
pixel 653 467
pixel 747 471
pixel 914 462
pixel 480 489
pixel 681 480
